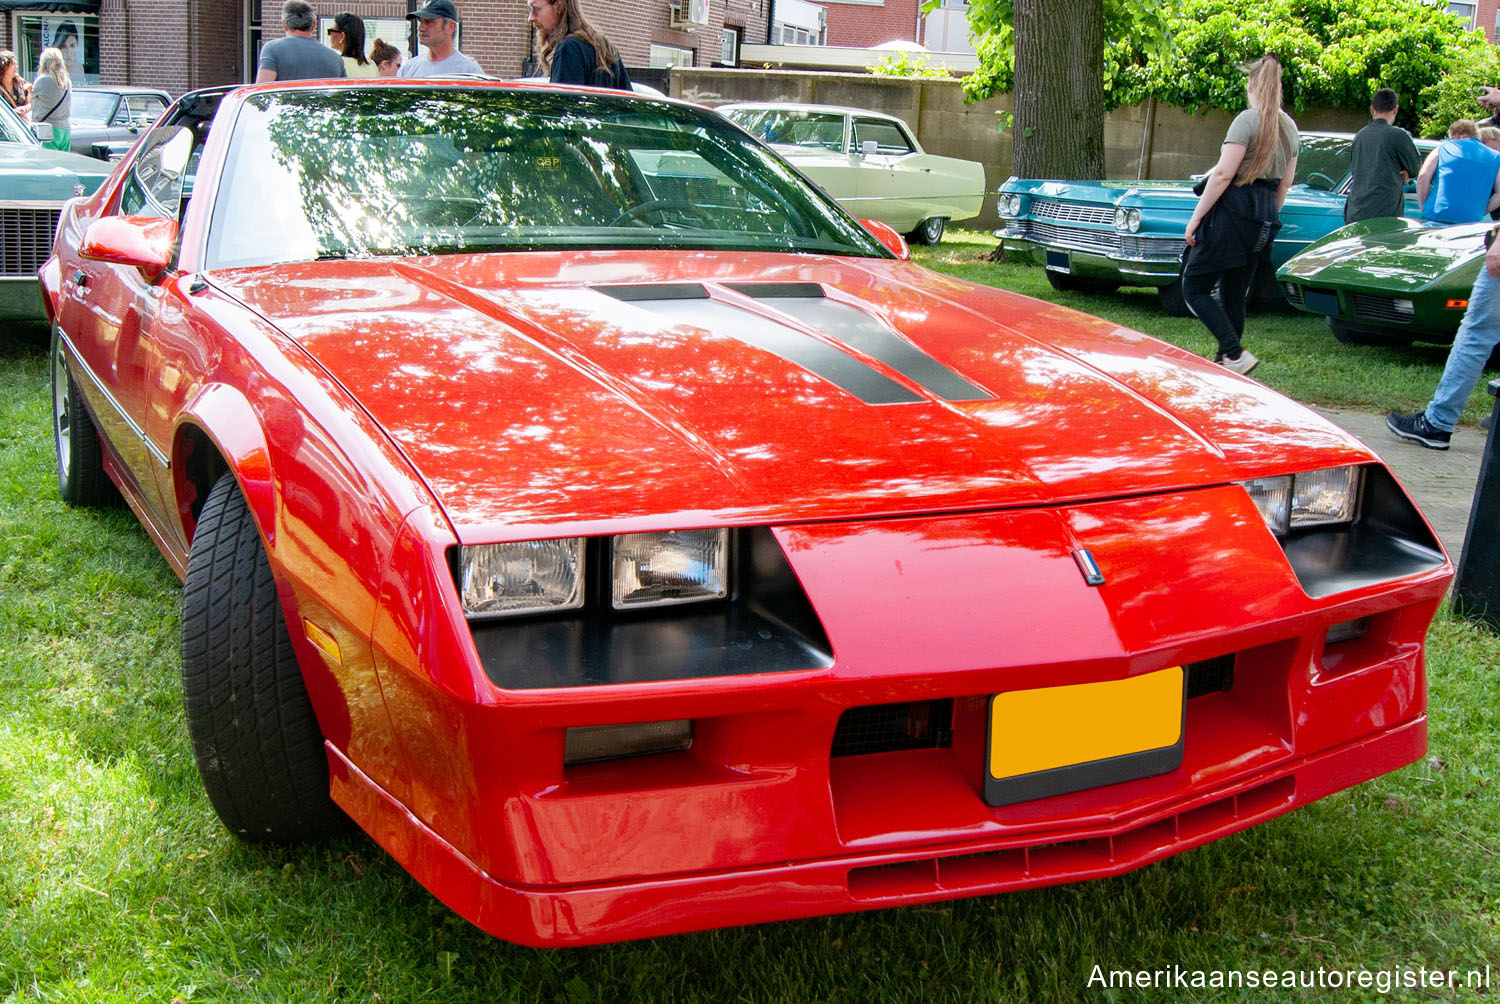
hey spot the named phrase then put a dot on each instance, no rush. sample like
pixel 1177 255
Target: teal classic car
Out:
pixel 1097 236
pixel 34 184
pixel 1390 281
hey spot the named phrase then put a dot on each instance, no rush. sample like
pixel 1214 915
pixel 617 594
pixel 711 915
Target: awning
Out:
pixel 53 6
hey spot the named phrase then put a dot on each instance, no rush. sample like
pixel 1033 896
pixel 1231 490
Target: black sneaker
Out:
pixel 1418 430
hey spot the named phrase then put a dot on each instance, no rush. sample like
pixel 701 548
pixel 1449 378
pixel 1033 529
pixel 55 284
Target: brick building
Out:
pixel 178 45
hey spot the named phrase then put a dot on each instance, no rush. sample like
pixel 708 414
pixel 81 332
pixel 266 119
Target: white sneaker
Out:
pixel 1244 364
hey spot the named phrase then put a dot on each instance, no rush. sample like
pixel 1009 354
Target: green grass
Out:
pixel 1299 356
pixel 117 883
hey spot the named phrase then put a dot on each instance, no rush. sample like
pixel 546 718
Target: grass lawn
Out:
pixel 117 884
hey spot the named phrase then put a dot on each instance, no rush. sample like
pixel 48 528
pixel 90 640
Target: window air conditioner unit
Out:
pixel 689 13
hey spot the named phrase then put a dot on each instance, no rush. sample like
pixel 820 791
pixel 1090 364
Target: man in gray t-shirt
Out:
pixel 298 56
pixel 437 28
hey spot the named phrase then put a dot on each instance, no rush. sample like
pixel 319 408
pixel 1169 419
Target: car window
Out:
pixel 93 107
pixel 144 109
pixel 1323 162
pixel 889 137
pixel 375 171
pixel 793 127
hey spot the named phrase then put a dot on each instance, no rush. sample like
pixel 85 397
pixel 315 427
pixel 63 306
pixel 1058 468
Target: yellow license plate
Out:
pixel 1057 739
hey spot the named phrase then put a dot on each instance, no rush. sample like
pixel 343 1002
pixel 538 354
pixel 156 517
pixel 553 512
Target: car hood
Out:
pixel 35 173
pixel 1389 254
pixel 572 391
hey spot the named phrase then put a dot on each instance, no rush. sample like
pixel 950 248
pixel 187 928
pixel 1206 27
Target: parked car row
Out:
pixel 632 541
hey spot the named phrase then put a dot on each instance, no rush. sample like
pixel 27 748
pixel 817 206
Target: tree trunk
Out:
pixel 1059 89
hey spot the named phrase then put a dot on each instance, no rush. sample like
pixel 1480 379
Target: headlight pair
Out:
pixel 1128 220
pixel 545 576
pixel 1311 498
pixel 1010 205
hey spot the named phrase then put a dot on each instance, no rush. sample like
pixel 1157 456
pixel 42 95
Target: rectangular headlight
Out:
pixel 524 577
pixel 1311 498
pixel 678 566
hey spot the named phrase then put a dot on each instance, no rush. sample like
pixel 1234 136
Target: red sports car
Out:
pixel 573 496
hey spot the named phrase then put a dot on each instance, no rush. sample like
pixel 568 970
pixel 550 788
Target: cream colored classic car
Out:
pixel 870 162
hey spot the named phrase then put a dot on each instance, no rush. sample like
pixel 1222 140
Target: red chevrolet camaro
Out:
pixel 575 498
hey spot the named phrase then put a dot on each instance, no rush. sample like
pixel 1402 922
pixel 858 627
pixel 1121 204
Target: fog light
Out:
pixel 590 743
pixel 1347 631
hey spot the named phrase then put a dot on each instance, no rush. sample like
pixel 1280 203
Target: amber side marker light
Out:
pixel 1457 304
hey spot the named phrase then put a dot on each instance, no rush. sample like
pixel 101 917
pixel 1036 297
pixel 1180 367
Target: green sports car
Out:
pixel 1388 281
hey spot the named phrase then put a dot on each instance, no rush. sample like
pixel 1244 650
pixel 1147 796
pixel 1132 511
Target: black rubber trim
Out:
pixel 660 291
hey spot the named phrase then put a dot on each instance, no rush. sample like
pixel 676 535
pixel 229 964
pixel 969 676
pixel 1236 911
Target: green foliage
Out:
pixel 1454 94
pixel 906 64
pixel 1336 52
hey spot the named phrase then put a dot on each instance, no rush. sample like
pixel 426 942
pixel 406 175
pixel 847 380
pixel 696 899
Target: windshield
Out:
pixel 92 106
pixel 12 129
pixel 363 171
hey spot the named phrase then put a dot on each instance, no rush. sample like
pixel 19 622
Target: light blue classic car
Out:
pixel 34 184
pixel 1100 235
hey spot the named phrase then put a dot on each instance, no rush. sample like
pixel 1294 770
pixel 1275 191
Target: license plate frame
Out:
pixel 1049 741
pixel 1059 261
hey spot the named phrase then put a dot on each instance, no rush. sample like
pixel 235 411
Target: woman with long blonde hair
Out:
pixel 52 97
pixel 576 51
pixel 1237 213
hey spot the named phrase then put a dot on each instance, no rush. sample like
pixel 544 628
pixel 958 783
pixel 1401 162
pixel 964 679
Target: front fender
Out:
pixel 223 416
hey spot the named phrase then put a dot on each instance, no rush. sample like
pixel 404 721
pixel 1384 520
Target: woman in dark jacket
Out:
pixel 576 51
pixel 1237 214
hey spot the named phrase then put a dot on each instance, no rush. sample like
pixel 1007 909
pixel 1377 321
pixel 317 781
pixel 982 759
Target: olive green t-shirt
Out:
pixel 1246 128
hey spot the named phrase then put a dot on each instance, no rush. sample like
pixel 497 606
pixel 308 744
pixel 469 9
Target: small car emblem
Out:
pixel 1089 567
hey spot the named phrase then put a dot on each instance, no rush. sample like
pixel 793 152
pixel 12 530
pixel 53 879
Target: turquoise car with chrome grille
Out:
pixel 1097 236
pixel 34 183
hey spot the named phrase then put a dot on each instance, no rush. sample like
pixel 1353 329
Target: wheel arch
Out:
pixel 219 431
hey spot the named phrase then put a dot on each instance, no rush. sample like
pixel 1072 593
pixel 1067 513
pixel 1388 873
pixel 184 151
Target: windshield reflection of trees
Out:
pixel 389 171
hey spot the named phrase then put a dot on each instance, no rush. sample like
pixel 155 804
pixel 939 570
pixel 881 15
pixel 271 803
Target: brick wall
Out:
pixel 865 24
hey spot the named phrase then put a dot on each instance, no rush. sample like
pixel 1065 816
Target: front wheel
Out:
pixel 929 231
pixel 79 451
pixel 1170 298
pixel 257 743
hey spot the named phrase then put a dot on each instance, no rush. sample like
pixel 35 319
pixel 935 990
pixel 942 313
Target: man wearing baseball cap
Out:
pixel 437 29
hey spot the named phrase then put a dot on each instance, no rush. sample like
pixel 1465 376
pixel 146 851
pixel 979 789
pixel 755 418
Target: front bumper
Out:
pixel 651 907
pixel 1129 259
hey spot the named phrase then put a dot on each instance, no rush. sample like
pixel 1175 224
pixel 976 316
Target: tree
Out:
pixel 1059 92
pixel 1336 52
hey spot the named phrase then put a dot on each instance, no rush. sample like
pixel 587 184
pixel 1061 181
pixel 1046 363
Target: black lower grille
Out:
pixel 884 728
pixel 1209 676
pixel 25 240
pixel 1385 308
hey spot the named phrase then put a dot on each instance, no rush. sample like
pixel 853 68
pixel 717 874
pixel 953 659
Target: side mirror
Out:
pixel 145 242
pixel 893 242
pixel 868 148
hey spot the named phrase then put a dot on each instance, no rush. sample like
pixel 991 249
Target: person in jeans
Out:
pixel 1237 213
pixel 1476 339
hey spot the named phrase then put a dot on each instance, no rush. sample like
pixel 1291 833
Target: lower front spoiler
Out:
pixel 580 915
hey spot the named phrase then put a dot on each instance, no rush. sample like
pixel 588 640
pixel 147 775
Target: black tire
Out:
pixel 76 445
pixel 1352 334
pixel 256 740
pixel 1172 303
pixel 929 231
pixel 1065 283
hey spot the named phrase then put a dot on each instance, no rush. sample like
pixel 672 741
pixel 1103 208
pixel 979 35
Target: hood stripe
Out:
pixel 804 303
